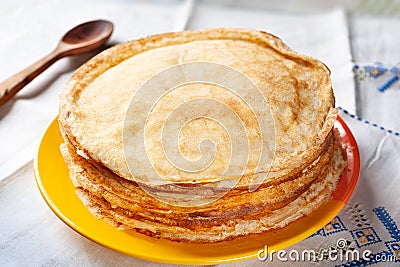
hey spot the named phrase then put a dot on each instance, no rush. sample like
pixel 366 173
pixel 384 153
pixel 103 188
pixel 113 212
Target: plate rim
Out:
pixel 78 229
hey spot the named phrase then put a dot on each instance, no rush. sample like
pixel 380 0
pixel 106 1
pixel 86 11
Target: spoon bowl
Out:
pixel 87 36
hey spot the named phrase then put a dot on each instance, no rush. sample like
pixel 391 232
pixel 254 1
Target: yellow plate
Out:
pixel 57 190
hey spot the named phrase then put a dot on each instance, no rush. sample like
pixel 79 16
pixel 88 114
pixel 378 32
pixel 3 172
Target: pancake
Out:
pixel 201 136
pixel 191 226
pixel 296 87
pixel 130 196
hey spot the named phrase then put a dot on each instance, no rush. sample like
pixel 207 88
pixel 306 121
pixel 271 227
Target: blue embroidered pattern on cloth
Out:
pixel 354 226
pixel 368 122
pixel 385 76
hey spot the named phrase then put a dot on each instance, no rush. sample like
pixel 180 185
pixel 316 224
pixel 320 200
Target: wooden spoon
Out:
pixel 81 39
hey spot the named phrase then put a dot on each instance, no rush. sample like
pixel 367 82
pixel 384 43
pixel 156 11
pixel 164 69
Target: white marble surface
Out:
pixel 31 235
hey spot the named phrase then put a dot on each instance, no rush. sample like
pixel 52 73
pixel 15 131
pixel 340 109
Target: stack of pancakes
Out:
pixel 305 161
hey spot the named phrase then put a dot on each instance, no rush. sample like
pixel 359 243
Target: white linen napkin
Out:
pixel 375 47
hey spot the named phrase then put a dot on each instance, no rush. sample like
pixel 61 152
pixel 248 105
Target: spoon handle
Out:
pixel 13 84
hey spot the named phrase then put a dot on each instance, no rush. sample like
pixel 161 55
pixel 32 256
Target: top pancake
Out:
pixel 296 88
